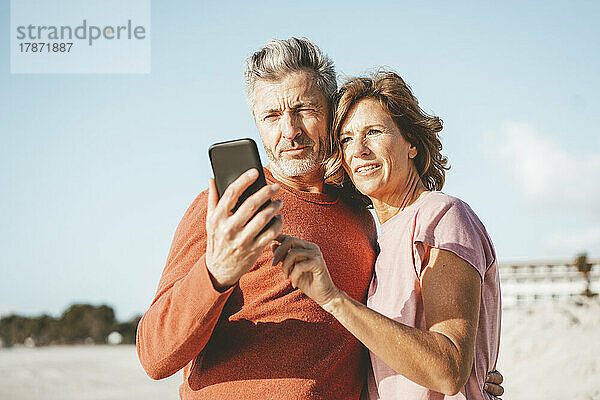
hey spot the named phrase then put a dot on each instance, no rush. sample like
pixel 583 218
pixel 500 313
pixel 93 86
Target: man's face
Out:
pixel 291 116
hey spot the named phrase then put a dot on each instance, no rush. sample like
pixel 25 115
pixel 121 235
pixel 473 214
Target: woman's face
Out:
pixel 375 155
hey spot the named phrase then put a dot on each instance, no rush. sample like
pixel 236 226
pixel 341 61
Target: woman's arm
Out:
pixel 439 358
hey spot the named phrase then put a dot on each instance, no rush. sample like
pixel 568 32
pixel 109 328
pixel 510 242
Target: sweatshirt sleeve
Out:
pixel 186 308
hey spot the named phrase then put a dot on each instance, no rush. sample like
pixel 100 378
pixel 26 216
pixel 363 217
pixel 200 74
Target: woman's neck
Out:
pixel 386 208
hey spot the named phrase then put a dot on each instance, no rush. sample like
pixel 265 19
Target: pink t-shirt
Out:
pixel 444 222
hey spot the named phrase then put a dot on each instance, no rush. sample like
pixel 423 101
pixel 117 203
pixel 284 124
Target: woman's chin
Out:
pixel 366 189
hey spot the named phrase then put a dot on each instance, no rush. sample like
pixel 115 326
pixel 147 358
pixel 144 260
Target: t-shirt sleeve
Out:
pixel 451 225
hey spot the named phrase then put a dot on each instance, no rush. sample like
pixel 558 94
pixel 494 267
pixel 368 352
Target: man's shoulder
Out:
pixel 201 199
pixel 197 209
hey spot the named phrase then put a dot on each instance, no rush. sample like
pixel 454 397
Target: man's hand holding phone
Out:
pixel 234 240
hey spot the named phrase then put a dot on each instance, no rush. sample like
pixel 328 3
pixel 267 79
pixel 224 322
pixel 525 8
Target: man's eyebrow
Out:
pixel 313 104
pixel 305 103
pixel 295 106
pixel 270 110
pixel 308 103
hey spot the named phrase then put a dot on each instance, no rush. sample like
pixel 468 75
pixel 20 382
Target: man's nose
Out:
pixel 289 127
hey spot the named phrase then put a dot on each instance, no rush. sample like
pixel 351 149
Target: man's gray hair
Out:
pixel 278 58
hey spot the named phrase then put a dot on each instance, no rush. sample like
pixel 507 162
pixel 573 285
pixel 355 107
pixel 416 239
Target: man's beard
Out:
pixel 308 164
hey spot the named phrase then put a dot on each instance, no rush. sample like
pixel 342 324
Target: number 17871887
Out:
pixel 39 47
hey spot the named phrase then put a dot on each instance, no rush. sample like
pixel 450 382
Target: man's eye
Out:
pixel 270 116
pixel 373 131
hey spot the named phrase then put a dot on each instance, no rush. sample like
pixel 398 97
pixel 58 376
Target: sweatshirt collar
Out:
pixel 329 195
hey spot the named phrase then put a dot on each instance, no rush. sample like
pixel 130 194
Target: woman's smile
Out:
pixel 367 169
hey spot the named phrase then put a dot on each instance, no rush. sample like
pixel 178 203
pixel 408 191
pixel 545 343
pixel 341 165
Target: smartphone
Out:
pixel 231 159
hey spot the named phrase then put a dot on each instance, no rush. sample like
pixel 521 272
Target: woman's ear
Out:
pixel 412 151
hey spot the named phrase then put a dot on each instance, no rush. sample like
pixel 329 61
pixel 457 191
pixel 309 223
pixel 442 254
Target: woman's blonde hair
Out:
pixel 416 126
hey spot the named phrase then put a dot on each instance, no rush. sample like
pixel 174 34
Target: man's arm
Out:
pixel 211 250
pixel 186 307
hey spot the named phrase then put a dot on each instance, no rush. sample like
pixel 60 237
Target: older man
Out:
pixel 221 310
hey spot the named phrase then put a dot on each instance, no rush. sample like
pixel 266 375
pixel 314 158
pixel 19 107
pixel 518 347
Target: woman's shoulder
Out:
pixel 437 201
pixel 449 223
pixel 439 209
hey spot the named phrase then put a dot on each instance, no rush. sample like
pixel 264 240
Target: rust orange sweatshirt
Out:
pixel 261 339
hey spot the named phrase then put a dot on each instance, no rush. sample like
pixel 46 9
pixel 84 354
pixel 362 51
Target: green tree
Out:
pixel 82 321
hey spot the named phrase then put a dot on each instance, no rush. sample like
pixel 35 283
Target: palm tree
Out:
pixel 584 267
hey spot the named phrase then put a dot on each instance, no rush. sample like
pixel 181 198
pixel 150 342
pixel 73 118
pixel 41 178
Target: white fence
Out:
pixel 526 283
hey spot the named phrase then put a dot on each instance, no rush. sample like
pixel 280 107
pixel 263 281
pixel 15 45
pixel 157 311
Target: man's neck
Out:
pixel 312 183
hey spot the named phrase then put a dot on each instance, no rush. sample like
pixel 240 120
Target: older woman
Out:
pixel 432 320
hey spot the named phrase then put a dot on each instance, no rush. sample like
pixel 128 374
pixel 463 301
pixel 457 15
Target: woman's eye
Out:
pixel 373 132
pixel 345 139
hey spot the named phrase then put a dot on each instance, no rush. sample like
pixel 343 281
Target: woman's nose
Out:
pixel 360 149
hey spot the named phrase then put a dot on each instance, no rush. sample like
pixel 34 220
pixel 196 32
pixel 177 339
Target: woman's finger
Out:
pixel 286 243
pixel 300 268
pixel 294 256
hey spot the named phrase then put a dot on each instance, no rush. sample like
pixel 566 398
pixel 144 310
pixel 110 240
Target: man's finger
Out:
pixel 494 389
pixel 213 197
pixel 494 377
pixel 235 189
pixel 269 235
pixel 249 208
pixel 254 227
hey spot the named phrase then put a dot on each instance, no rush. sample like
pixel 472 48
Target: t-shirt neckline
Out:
pixel 400 214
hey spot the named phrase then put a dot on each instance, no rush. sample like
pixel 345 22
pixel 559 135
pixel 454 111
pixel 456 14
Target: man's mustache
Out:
pixel 299 141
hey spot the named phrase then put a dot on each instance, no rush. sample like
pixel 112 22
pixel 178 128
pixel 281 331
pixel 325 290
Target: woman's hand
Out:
pixel 303 263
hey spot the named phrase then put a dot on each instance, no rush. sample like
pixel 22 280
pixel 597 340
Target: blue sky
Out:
pixel 98 169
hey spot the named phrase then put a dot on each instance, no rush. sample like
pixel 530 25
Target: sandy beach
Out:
pixel 552 351
pixel 79 372
pixel 548 351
